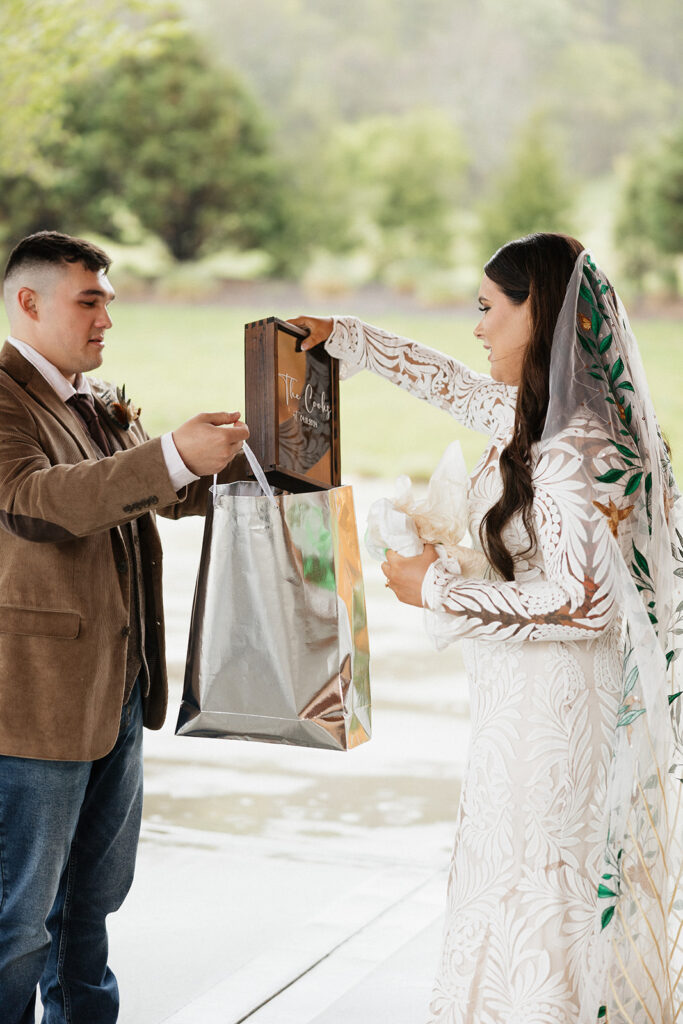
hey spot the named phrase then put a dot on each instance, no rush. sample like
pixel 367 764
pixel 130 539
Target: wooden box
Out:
pixel 291 407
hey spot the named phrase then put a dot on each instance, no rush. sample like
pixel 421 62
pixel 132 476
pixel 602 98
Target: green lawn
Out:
pixel 177 360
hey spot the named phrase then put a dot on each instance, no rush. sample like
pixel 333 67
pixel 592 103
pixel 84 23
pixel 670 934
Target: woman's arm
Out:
pixel 474 399
pixel 579 596
pixel 537 610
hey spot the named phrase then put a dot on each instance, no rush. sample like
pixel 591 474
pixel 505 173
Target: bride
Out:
pixel 563 899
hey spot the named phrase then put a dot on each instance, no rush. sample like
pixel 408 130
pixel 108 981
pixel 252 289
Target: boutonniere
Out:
pixel 122 411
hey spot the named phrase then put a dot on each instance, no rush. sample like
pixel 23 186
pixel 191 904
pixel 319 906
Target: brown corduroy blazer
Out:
pixel 64 585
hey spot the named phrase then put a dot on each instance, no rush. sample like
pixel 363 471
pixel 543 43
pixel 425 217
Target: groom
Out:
pixel 81 624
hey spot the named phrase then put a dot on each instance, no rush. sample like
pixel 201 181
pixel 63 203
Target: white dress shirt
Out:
pixel 178 472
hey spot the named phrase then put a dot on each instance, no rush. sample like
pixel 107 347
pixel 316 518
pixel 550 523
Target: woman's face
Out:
pixel 505 330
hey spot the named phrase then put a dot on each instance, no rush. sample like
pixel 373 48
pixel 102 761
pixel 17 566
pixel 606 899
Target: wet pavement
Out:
pixel 285 885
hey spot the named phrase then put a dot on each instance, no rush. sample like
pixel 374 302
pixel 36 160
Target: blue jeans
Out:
pixel 68 838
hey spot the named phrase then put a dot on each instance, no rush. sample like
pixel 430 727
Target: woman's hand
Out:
pixel 406 575
pixel 319 329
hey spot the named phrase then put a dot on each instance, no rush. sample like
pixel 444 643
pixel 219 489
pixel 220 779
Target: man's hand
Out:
pixel 209 441
pixel 319 329
pixel 406 575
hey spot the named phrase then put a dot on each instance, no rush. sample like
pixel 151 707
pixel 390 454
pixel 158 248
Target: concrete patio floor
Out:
pixel 282 885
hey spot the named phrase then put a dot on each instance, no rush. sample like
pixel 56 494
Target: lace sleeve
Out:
pixel 576 595
pixel 474 399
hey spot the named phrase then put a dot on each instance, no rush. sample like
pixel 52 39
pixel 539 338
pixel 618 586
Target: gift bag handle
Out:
pixel 258 473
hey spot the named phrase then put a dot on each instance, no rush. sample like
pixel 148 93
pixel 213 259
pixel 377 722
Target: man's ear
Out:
pixel 27 300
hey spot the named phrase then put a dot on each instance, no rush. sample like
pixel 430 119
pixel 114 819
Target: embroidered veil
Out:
pixel 596 372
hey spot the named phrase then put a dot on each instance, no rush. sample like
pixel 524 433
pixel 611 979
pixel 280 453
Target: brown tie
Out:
pixel 84 406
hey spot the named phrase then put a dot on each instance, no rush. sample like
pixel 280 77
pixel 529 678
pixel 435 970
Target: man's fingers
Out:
pixel 237 432
pixel 218 419
pixel 208 441
pixel 233 438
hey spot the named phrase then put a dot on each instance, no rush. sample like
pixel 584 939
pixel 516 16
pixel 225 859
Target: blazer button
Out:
pixel 125 631
pixel 122 567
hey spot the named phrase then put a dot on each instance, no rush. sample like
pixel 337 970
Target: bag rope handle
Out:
pixel 258 473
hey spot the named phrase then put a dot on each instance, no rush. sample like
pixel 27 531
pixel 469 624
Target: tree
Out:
pixel 531 193
pixel 667 194
pixel 403 179
pixel 606 98
pixel 606 70
pixel 179 143
pixel 649 225
pixel 47 46
pixel 638 254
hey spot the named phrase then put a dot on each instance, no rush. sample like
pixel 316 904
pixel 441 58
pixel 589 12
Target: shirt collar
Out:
pixel 52 375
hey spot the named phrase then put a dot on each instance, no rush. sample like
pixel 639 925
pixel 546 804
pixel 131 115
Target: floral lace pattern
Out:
pixel 473 398
pixel 545 660
pixel 563 590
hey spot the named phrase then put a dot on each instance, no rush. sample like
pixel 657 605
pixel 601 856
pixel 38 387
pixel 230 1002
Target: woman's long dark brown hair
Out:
pixel 537 268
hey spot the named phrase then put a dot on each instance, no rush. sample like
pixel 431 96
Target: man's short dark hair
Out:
pixel 55 248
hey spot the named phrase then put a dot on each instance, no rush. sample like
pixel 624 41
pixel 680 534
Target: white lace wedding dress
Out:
pixel 543 655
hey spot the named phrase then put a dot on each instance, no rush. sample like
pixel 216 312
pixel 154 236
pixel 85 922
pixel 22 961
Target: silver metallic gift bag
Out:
pixel 278 646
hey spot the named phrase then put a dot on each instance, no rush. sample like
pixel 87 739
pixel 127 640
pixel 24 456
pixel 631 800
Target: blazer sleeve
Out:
pixel 46 500
pixel 192 500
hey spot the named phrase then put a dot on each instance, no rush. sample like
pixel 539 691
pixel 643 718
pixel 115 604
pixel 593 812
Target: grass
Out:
pixel 178 360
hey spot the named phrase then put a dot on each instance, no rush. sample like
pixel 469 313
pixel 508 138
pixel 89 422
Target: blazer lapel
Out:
pixel 33 382
pixel 119 438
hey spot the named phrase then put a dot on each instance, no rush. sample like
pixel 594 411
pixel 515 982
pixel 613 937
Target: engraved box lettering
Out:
pixel 292 407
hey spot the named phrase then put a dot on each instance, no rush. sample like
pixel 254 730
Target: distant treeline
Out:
pixel 401 140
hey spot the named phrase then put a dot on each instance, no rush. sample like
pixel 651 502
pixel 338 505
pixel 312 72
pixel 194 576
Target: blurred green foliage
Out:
pixel 649 225
pixel 343 144
pixel 402 178
pixel 605 93
pixel 48 46
pixel 168 138
pixel 606 70
pixel 531 193
pixel 667 215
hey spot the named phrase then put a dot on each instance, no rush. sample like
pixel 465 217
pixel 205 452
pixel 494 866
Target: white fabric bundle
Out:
pixel 407 523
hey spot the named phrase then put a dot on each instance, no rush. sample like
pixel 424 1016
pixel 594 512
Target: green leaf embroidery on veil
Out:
pixel 611 891
pixel 633 483
pixel 609 374
pixel 646 771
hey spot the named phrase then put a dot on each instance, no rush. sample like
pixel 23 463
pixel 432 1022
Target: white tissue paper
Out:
pixel 441 516
pixel 407 523
pixel 390 528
